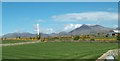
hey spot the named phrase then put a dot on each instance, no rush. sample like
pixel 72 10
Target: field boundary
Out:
pixel 21 43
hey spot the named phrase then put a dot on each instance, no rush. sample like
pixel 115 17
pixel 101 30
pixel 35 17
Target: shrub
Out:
pixel 118 37
pixel 76 38
pixel 92 39
pixel 38 37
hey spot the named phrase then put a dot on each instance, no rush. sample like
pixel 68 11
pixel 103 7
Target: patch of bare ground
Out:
pixel 21 43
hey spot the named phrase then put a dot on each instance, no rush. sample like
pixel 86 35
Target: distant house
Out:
pixel 114 33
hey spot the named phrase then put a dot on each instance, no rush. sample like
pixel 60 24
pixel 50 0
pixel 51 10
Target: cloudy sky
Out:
pixel 57 17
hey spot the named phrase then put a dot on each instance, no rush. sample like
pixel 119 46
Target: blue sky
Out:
pixel 60 0
pixel 1 18
pixel 56 17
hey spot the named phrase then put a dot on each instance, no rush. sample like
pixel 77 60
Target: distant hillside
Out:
pixel 84 29
pixel 90 29
pixel 22 35
pixel 58 34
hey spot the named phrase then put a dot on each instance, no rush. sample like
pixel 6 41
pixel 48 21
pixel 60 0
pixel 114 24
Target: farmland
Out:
pixel 58 50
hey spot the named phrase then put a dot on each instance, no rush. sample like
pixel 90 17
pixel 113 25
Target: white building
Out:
pixel 116 31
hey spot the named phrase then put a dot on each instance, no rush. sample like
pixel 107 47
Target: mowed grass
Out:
pixel 14 41
pixel 57 50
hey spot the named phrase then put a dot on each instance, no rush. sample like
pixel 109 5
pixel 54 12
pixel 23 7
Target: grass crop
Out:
pixel 57 50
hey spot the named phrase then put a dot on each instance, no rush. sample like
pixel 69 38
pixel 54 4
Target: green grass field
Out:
pixel 57 50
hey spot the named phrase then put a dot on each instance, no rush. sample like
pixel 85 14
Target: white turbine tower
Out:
pixel 37 29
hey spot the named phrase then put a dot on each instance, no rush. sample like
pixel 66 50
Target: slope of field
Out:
pixel 57 50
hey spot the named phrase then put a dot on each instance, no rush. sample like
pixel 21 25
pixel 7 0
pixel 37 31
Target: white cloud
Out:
pixel 40 20
pixel 47 30
pixel 87 16
pixel 91 24
pixel 115 26
pixel 110 9
pixel 70 27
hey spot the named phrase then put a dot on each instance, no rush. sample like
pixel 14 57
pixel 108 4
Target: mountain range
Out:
pixel 82 30
pixel 22 35
pixel 90 29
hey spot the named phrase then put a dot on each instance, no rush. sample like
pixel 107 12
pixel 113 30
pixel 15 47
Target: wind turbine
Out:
pixel 37 29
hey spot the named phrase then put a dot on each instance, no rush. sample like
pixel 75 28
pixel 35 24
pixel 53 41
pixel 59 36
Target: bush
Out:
pixel 118 37
pixel 76 38
pixel 92 39
pixel 38 37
